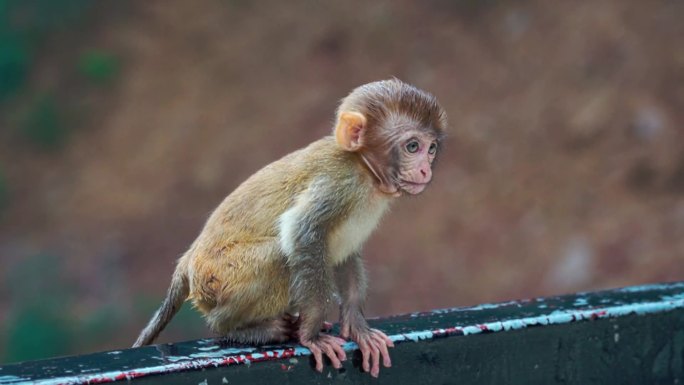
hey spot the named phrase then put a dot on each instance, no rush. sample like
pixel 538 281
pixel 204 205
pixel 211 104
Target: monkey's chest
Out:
pixel 348 237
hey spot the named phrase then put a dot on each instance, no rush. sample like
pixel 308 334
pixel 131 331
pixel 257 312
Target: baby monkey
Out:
pixel 286 243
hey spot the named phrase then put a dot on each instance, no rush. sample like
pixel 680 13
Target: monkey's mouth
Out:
pixel 412 188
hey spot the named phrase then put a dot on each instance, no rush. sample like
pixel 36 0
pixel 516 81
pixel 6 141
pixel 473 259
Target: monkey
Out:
pixel 286 243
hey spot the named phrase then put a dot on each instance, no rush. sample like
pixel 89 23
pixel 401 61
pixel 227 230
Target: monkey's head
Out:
pixel 396 129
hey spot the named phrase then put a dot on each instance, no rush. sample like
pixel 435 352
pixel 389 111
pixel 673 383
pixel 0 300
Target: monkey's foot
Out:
pixel 373 343
pixel 326 344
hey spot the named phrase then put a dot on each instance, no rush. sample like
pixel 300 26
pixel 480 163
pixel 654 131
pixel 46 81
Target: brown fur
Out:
pixel 289 237
pixel 237 261
pixel 235 269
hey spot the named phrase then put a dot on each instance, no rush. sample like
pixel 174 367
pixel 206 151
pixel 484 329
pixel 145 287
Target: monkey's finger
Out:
pixel 387 340
pixel 318 357
pixel 375 354
pixel 340 352
pixel 365 355
pixel 386 361
pixel 335 344
pixel 330 352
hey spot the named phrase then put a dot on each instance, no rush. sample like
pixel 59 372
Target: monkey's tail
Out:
pixel 175 296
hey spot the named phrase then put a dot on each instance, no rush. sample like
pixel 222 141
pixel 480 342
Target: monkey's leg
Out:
pixel 373 343
pixel 242 288
pixel 276 330
pixel 272 331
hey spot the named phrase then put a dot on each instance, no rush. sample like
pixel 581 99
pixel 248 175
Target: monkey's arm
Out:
pixel 351 283
pixel 303 234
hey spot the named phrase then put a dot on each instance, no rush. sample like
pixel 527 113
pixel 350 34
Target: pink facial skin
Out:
pixel 419 153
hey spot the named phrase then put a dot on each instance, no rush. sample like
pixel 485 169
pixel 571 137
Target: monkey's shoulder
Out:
pixel 320 160
pixel 322 156
pixel 322 169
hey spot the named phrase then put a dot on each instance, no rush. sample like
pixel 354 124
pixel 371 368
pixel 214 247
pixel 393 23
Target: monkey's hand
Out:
pixel 326 344
pixel 373 343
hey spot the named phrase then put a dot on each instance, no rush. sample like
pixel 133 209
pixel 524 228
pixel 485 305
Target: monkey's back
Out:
pixel 254 208
pixel 237 269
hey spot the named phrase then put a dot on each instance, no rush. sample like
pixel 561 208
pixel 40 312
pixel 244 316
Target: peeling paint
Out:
pixel 12 379
pixel 484 306
pixel 581 301
pixel 652 287
pixel 208 348
pixel 674 298
pixel 216 352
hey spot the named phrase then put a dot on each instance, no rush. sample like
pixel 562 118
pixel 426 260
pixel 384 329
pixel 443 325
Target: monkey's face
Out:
pixel 396 129
pixel 413 157
pixel 401 155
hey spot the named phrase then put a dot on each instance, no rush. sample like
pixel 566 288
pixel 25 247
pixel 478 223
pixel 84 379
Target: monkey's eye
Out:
pixel 412 146
pixel 433 149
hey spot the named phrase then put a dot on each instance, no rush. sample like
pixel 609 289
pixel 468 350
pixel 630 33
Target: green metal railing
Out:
pixel 633 335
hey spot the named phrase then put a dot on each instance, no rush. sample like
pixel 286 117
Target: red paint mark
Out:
pixel 598 314
pixel 447 332
pixel 194 364
pixel 119 377
pixel 484 328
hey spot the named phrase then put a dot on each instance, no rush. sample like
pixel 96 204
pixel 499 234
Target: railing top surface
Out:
pixel 121 365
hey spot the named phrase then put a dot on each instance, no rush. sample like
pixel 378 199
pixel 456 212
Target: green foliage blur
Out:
pixel 24 24
pixel 42 123
pixel 39 325
pixel 46 319
pixel 4 192
pixel 13 63
pixel 99 67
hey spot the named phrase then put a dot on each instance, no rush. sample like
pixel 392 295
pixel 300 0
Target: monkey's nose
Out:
pixel 425 174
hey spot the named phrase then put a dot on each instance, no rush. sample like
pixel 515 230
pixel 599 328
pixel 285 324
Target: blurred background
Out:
pixel 124 123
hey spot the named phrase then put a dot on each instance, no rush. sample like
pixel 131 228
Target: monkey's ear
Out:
pixel 349 130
